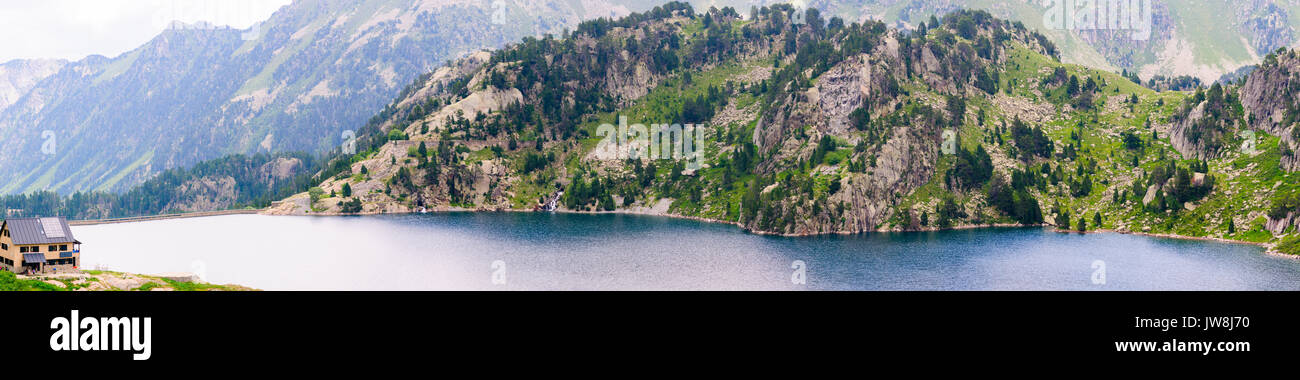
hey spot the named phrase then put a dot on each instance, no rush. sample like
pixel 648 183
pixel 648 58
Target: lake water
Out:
pixel 542 251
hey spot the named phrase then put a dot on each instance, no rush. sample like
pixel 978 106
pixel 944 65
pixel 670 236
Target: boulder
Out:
pixel 1151 195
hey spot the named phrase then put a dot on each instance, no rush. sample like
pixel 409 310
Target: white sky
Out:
pixel 74 29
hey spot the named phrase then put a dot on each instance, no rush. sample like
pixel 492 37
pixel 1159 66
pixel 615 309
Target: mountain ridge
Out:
pixel 822 128
pixel 313 84
pixel 316 69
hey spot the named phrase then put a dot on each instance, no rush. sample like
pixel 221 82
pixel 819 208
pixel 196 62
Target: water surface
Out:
pixel 542 251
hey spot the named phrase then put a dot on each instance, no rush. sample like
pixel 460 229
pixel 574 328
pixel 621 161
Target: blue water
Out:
pixel 540 251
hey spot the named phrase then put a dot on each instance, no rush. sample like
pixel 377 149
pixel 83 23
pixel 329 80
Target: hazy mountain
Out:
pixel 1205 39
pixel 20 75
pixel 294 83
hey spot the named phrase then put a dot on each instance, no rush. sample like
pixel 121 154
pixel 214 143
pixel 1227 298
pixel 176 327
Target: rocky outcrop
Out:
pixel 280 169
pixel 1207 123
pixel 849 86
pixel 1179 135
pixel 439 80
pixel 1270 90
pixel 1290 156
pixel 1279 226
pixel 1270 99
pixel 902 163
pixel 205 194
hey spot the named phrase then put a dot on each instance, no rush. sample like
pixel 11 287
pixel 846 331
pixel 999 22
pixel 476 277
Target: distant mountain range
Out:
pixel 195 92
pixel 318 68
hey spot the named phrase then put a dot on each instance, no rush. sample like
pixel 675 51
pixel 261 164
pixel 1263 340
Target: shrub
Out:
pixel 352 206
pixel 1290 246
pixel 396 134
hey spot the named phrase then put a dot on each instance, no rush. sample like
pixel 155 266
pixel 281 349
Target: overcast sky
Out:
pixel 74 29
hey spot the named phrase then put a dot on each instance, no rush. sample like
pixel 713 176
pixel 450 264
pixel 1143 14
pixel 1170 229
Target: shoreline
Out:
pixel 133 219
pixel 1268 248
pixel 107 280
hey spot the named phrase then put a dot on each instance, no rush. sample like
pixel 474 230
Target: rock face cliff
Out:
pixel 1212 122
pixel 902 161
pixel 1196 135
pixel 1270 91
pixel 1271 99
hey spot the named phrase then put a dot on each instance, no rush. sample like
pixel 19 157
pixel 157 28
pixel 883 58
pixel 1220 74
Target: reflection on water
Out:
pixel 540 251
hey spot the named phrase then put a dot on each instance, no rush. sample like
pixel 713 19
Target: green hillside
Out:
pixel 823 127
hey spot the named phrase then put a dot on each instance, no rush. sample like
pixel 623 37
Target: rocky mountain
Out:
pixel 825 126
pixel 507 130
pixel 315 69
pixel 20 75
pixel 1231 118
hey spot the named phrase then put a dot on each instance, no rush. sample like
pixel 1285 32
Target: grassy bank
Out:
pixel 106 281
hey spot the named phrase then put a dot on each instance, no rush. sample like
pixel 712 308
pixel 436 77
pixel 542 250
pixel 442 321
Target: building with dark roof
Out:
pixel 38 245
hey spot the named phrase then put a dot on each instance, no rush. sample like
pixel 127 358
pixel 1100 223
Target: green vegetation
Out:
pixel 197 286
pixel 10 282
pixel 1290 245
pixel 351 206
pixel 165 193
